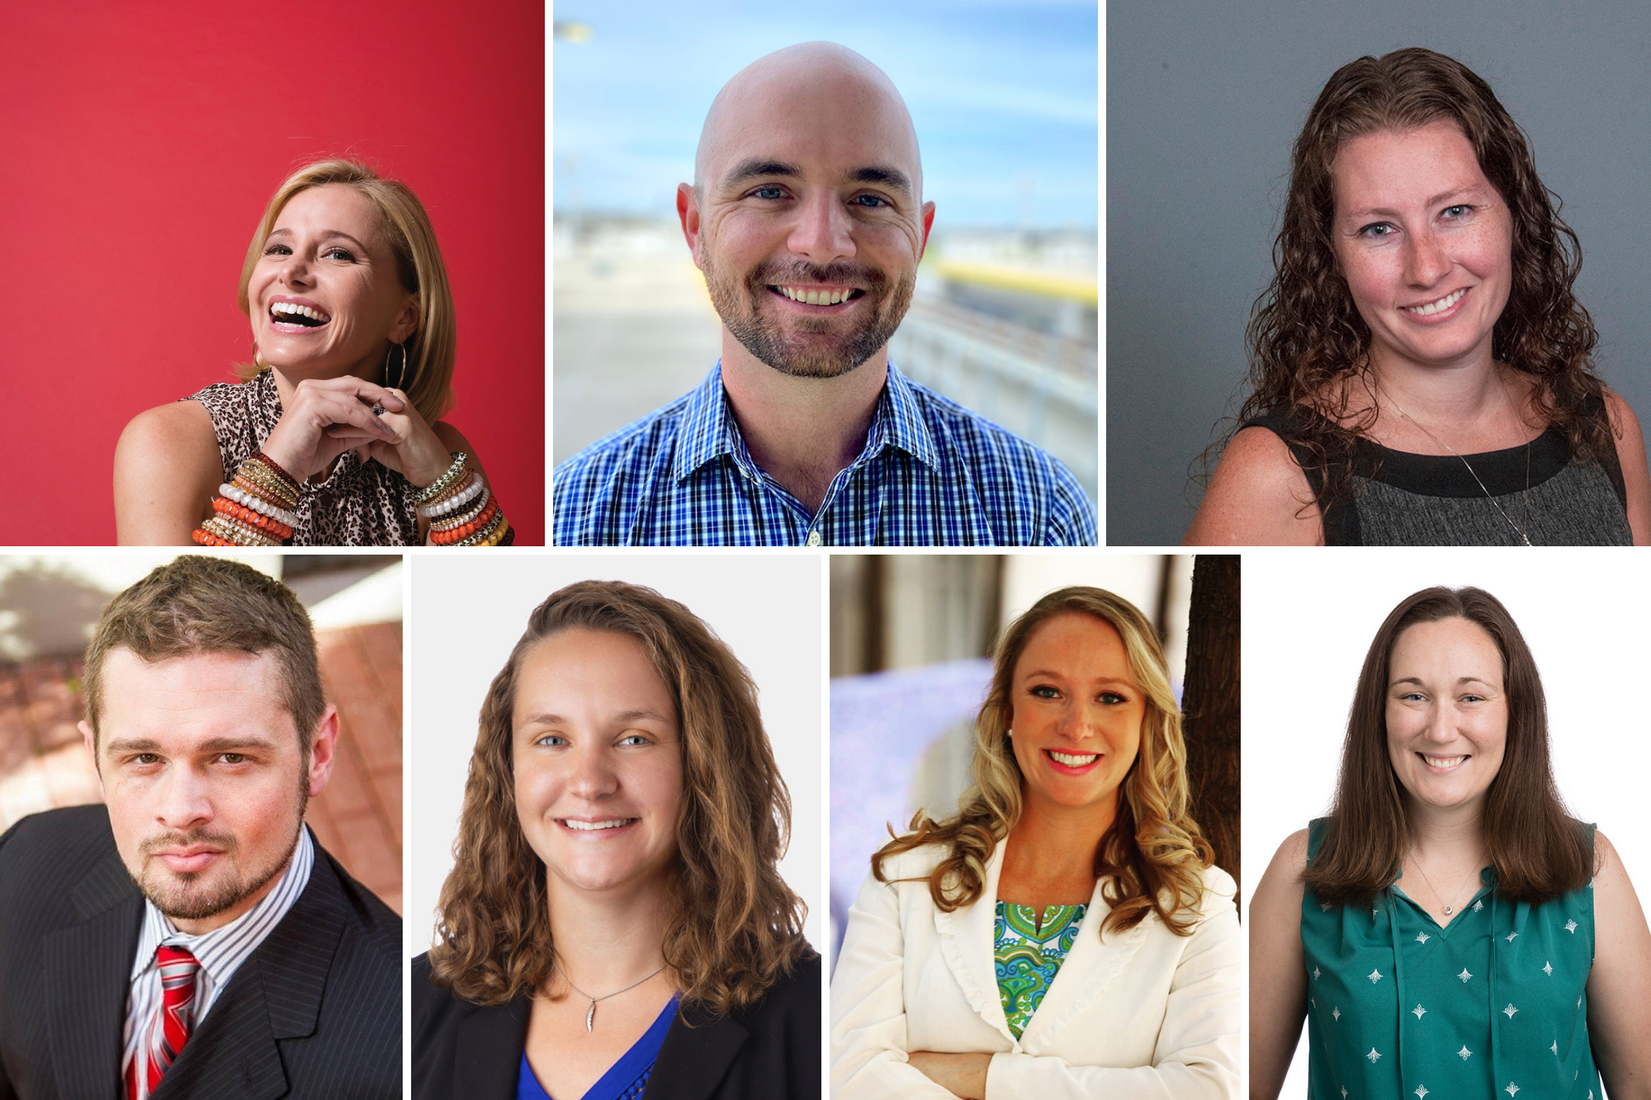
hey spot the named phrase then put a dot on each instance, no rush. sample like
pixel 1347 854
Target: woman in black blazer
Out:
pixel 615 926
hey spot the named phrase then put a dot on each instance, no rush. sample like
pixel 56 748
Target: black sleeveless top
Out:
pixel 1404 499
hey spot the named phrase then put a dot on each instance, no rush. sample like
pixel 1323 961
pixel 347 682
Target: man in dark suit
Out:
pixel 188 938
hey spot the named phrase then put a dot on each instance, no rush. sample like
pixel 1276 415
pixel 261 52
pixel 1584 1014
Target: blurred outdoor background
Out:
pixel 1004 96
pixel 911 644
pixel 49 605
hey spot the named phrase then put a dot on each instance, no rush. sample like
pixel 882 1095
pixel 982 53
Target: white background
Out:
pixel 469 614
pixel 1309 617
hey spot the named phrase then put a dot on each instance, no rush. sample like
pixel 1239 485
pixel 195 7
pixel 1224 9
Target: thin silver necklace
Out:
pixel 1449 909
pixel 1520 531
pixel 590 1015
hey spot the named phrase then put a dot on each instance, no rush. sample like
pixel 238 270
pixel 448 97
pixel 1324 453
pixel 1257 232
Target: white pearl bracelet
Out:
pixel 455 502
pixel 447 523
pixel 257 504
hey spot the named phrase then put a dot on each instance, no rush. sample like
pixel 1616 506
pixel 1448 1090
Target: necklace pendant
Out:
pixel 1449 910
pixel 590 1017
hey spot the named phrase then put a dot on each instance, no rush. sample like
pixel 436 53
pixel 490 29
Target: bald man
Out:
pixel 806 216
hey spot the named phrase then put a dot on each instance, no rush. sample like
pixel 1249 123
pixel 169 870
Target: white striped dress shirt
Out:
pixel 220 951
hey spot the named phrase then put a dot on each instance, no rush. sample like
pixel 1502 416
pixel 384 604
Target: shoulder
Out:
pixel 914 864
pixel 372 929
pixel 795 995
pixel 1257 495
pixel 637 445
pixel 1004 462
pixel 70 835
pixel 166 433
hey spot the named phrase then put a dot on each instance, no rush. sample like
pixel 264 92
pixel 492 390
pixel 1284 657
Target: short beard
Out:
pixel 175 898
pixel 739 306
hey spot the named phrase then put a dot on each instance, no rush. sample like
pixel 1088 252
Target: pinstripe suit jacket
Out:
pixel 314 1012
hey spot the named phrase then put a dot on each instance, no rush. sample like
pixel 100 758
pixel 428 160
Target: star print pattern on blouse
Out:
pixel 1030 945
pixel 1403 1004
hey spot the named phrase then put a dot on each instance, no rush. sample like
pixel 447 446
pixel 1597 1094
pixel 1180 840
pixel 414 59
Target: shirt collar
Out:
pixel 235 940
pixel 709 429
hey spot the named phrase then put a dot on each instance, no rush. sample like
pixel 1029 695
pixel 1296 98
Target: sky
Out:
pixel 1004 96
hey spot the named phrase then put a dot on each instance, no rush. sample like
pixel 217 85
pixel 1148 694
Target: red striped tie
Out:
pixel 169 1027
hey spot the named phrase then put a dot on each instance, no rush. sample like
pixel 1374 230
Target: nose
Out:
pixel 185 800
pixel 1426 259
pixel 823 231
pixel 1441 726
pixel 594 775
pixel 295 270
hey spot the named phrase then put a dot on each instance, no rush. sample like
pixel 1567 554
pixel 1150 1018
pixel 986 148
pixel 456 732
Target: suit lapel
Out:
pixel 489 1051
pixel 967 943
pixel 86 1008
pixel 693 1060
pixel 276 994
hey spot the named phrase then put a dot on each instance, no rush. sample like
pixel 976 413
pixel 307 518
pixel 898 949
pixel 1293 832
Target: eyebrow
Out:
pixel 1052 674
pixel 209 746
pixel 757 168
pixel 325 234
pixel 1460 680
pixel 1435 200
pixel 619 719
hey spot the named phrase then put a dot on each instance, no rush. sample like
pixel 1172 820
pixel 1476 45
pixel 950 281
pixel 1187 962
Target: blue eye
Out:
pixel 872 201
pixel 768 193
pixel 1113 699
pixel 1378 230
pixel 1460 210
pixel 276 248
pixel 345 254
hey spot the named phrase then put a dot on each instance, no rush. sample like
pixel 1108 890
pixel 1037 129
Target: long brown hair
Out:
pixel 1152 854
pixel 1538 851
pixel 1305 335
pixel 737 927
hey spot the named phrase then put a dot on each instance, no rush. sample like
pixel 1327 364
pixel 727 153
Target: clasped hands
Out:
pixel 328 416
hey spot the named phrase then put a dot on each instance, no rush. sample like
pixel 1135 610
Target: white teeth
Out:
pixel 304 311
pixel 1443 761
pixel 1437 307
pixel 815 297
pixel 593 826
pixel 1073 760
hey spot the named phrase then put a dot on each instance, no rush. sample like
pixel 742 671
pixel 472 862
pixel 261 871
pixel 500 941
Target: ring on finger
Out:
pixel 378 410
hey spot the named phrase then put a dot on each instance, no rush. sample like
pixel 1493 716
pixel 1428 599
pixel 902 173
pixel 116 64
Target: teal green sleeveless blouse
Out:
pixel 1491 1005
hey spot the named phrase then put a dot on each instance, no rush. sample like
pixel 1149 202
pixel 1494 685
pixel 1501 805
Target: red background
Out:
pixel 139 143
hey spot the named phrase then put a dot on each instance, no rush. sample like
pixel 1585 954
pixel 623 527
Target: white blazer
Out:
pixel 1146 1013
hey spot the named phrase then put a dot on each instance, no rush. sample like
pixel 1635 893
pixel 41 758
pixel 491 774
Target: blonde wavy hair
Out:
pixel 428 380
pixel 736 928
pixel 1150 858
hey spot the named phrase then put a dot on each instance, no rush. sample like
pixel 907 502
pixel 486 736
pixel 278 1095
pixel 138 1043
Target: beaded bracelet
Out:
pixel 488 535
pixel 449 535
pixel 447 523
pixel 275 468
pixel 257 504
pixel 241 513
pixel 466 492
pixel 436 488
pixel 254 508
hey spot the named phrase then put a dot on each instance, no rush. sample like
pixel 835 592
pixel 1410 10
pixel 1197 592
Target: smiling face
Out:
pixel 1076 713
pixel 325 296
pixel 204 778
pixel 598 762
pixel 1447 712
pixel 807 216
pixel 1425 243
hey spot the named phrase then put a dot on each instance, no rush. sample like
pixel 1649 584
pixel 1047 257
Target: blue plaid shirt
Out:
pixel 932 474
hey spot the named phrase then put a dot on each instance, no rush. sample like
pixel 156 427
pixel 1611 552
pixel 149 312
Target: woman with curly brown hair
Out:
pixel 1064 934
pixel 615 914
pixel 1421 370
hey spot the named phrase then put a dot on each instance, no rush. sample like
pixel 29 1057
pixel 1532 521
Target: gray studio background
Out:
pixel 1203 103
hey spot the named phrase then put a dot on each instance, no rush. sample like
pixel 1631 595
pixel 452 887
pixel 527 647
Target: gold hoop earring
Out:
pixel 401 373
